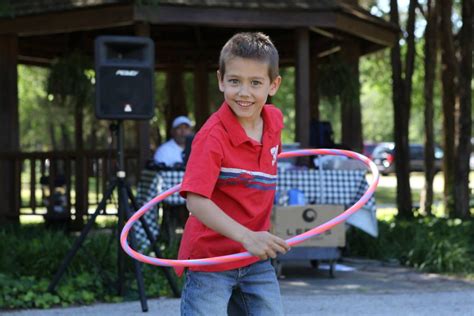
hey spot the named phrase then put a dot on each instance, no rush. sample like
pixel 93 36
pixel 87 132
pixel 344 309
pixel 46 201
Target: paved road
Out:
pixel 371 289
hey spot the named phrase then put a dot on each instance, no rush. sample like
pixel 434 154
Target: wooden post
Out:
pixel 176 95
pixel 314 89
pixel 302 94
pixel 9 128
pixel 201 84
pixel 351 117
pixel 143 127
pixel 81 182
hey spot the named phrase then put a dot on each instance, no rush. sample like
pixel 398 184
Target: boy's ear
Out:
pixel 221 85
pixel 274 86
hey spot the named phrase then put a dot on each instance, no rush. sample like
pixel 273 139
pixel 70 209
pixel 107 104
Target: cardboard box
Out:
pixel 289 221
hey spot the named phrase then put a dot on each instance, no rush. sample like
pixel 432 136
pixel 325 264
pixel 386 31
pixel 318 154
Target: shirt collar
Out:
pixel 233 127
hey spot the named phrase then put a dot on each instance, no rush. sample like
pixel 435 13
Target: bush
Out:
pixel 30 256
pixel 429 244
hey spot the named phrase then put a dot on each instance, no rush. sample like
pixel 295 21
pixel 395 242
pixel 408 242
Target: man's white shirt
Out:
pixel 169 153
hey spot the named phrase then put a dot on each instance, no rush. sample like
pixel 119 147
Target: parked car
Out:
pixel 383 156
pixel 369 149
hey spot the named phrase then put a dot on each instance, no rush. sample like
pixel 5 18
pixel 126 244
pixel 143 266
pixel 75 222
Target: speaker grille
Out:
pixel 125 93
pixel 124 77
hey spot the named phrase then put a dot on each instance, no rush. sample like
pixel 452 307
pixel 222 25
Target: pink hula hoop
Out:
pixel 244 255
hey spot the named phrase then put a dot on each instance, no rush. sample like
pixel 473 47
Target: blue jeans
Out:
pixel 251 290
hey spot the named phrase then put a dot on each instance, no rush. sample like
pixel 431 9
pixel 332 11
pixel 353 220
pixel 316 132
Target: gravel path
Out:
pixel 371 289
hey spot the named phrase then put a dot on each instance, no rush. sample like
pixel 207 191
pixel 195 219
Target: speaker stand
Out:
pixel 124 212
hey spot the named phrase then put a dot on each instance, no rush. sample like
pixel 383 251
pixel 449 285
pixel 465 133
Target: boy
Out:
pixel 229 185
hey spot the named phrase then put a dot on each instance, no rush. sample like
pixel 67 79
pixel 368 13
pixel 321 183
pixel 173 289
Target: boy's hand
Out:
pixel 264 245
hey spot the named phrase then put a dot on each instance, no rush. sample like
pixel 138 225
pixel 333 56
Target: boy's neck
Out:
pixel 250 124
pixel 253 128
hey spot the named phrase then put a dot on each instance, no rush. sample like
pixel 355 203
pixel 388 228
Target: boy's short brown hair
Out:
pixel 256 46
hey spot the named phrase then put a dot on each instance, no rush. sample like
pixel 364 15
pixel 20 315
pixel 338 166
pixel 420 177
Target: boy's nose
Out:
pixel 244 90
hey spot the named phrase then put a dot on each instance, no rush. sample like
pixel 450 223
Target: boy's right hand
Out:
pixel 264 245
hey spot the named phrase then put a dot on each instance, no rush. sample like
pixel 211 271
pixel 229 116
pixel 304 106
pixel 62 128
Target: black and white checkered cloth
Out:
pixel 150 185
pixel 343 187
pixel 340 187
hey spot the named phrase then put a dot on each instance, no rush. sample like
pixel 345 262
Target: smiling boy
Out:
pixel 229 186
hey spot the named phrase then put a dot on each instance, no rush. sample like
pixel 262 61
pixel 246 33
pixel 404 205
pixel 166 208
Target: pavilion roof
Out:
pixel 48 28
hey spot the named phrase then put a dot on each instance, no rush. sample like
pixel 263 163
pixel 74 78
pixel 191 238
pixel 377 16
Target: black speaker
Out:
pixel 124 68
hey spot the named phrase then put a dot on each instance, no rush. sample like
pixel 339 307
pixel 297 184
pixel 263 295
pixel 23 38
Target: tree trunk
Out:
pixel 426 201
pixel 463 150
pixel 448 74
pixel 401 94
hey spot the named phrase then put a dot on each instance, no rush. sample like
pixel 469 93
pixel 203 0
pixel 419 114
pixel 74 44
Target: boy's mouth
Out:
pixel 244 104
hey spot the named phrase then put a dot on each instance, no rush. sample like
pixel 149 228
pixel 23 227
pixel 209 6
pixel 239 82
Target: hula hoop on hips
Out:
pixel 245 255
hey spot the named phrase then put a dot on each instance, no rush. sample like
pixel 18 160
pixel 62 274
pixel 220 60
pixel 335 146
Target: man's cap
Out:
pixel 181 120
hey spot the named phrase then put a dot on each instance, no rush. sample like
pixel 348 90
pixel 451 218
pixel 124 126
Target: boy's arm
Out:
pixel 261 244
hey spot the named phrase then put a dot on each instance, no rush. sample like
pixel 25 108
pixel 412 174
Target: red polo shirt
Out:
pixel 238 174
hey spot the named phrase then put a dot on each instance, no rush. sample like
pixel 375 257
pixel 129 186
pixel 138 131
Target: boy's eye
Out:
pixel 233 81
pixel 256 83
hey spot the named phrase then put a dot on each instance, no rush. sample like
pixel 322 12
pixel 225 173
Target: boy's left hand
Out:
pixel 264 245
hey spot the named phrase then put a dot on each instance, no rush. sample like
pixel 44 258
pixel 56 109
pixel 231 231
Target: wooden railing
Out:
pixel 80 178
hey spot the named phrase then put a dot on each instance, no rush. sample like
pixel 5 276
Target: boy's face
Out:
pixel 246 86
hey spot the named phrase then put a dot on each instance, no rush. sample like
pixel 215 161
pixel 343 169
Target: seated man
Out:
pixel 171 153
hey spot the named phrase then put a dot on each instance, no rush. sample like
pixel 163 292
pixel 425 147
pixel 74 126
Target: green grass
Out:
pixel 30 254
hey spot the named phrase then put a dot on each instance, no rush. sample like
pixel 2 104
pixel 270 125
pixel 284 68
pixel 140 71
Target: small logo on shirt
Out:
pixel 274 153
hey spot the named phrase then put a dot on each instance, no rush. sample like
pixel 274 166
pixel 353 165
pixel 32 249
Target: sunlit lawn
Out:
pixel 386 190
pixel 385 194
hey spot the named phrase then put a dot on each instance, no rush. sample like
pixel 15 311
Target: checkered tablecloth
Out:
pixel 148 188
pixel 342 187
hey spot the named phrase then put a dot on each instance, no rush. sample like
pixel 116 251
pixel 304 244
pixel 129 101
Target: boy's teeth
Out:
pixel 244 103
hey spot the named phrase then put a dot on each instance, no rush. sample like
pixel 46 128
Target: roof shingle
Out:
pixel 11 8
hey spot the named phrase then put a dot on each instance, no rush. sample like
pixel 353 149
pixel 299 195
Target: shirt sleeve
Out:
pixel 203 167
pixel 160 155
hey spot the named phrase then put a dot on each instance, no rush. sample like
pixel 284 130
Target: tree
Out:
pixel 401 94
pixel 430 50
pixel 448 75
pixel 464 110
pixel 69 83
pixel 70 87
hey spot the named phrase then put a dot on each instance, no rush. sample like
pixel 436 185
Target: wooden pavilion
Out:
pixel 188 35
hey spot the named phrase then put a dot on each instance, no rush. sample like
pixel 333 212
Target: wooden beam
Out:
pixel 69 21
pixel 302 90
pixel 9 128
pixel 367 30
pixel 235 18
pixel 352 22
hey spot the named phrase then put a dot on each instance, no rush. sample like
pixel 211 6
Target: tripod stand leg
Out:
pixel 124 211
pixel 78 242
pixel 156 249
